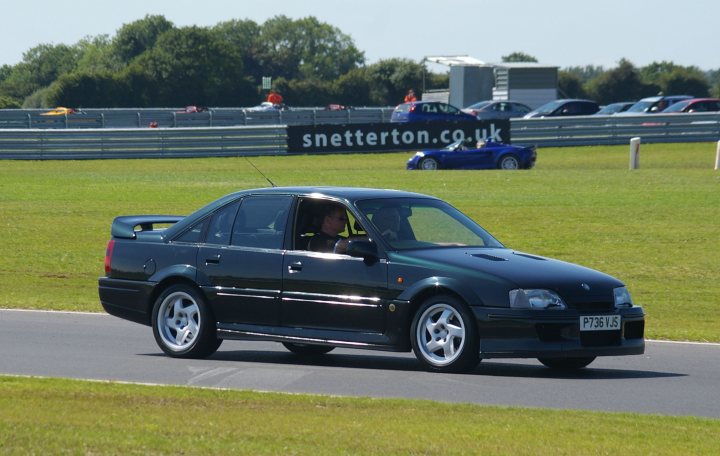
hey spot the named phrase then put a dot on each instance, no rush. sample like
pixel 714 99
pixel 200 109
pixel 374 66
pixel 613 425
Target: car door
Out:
pixel 242 261
pixel 332 291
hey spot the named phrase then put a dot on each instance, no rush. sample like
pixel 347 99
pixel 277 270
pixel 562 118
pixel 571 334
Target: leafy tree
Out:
pixel 134 38
pixel 191 66
pixel 306 92
pixel 620 84
pixel 392 78
pixel 685 81
pixel 518 57
pixel 8 103
pixel 41 65
pixel 306 48
pixel 87 90
pixel 244 35
pixel 585 73
pixel 97 55
pixel 354 88
pixel 570 85
pixel 714 78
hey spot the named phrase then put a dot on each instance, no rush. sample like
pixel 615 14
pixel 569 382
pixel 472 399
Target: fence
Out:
pixel 171 118
pixel 216 132
pixel 76 144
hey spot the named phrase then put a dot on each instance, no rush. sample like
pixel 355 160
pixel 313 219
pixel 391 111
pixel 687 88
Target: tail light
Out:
pixel 412 108
pixel 108 255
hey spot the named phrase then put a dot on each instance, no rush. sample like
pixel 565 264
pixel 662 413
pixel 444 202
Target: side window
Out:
pixel 221 224
pixel 261 221
pixel 194 234
pixel 520 108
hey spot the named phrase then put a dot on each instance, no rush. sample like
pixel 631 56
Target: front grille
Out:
pixel 592 306
pixel 600 338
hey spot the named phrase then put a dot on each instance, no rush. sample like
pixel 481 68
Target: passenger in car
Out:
pixel 328 239
pixel 387 221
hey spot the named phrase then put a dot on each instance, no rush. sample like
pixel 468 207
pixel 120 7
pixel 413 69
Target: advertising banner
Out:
pixel 385 137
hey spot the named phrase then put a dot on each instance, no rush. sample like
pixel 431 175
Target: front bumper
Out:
pixel 509 333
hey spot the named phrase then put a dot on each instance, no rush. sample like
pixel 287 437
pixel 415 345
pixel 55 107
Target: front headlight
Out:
pixel 622 298
pixel 536 299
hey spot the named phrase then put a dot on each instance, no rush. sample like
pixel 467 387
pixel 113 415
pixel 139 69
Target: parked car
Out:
pixel 564 107
pixel 491 110
pixel 655 105
pixel 59 111
pixel 694 105
pixel 460 155
pixel 415 274
pixel 428 111
pixel 614 108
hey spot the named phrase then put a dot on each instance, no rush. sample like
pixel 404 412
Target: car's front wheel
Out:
pixel 182 324
pixel 444 336
pixel 307 349
pixel 567 363
pixel 429 163
pixel 509 162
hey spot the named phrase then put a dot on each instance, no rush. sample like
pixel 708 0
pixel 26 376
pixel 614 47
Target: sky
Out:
pixel 561 33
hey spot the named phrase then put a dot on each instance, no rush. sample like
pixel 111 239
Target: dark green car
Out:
pixel 399 271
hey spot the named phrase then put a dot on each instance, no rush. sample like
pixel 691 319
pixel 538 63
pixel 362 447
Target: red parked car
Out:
pixel 694 105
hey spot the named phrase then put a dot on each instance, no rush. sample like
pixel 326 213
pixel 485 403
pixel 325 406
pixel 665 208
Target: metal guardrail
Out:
pixel 172 118
pixel 214 133
pixel 73 144
pixel 601 130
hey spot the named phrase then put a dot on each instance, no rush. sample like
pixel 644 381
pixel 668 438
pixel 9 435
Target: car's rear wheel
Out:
pixel 182 324
pixel 307 349
pixel 509 162
pixel 444 336
pixel 567 363
pixel 429 163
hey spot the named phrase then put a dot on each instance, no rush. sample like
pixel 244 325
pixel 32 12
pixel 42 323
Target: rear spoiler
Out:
pixel 125 226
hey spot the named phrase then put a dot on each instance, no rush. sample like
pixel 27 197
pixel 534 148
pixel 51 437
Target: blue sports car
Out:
pixel 489 155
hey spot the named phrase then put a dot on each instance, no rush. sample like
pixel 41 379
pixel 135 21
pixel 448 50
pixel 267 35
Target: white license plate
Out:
pixel 600 323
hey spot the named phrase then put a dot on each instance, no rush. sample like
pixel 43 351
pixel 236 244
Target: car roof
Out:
pixel 344 193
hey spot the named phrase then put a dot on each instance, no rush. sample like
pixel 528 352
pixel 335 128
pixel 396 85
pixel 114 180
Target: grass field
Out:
pixel 655 228
pixel 41 416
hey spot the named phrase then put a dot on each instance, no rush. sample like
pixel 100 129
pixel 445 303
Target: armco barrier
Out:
pixel 208 133
pixel 74 144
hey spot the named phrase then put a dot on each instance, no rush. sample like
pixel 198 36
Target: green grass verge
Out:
pixel 655 228
pixel 49 416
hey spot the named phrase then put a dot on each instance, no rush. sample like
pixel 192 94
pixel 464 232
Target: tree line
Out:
pixel 152 63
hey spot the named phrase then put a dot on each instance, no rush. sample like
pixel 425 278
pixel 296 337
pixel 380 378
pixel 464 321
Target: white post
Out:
pixel 717 157
pixel 635 153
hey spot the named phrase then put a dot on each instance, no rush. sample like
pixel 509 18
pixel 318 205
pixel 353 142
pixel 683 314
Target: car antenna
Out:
pixel 261 173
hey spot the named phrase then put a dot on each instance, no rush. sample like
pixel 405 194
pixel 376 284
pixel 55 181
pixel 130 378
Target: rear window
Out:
pixel 405 107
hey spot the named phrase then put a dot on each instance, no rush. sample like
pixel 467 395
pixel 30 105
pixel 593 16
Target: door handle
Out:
pixel 213 259
pixel 295 266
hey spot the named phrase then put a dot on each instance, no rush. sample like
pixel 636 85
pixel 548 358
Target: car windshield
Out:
pixel 641 106
pixel 548 108
pixel 453 147
pixel 677 107
pixel 479 105
pixel 417 223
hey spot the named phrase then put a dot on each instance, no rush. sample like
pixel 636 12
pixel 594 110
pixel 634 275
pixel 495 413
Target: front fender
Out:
pixel 432 285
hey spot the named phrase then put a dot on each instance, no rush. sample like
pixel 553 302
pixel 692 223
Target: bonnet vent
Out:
pixel 488 257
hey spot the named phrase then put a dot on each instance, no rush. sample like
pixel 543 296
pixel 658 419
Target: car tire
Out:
pixel 429 164
pixel 182 324
pixel 509 161
pixel 444 336
pixel 567 363
pixel 307 349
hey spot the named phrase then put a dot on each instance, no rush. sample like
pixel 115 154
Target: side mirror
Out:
pixel 363 249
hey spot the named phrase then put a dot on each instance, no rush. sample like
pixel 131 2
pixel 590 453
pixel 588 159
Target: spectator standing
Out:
pixel 410 97
pixel 274 98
